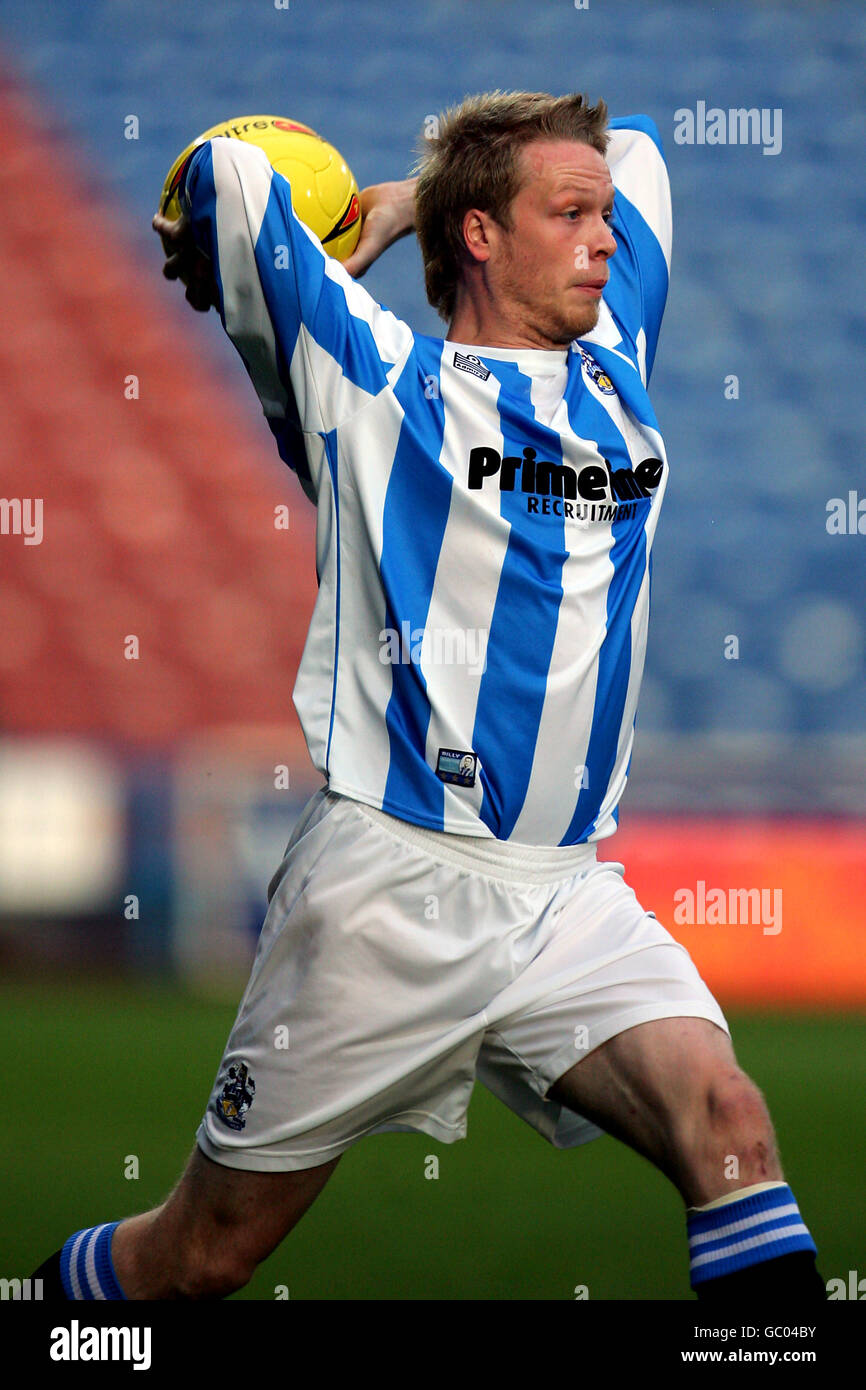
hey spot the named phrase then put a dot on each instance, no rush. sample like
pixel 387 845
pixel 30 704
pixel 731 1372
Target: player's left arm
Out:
pixel 639 271
pixel 387 213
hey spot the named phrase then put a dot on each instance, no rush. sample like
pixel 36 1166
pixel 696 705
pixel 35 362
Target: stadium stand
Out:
pixel 158 511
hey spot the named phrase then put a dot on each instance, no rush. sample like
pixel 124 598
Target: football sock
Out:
pixel 83 1269
pixel 752 1243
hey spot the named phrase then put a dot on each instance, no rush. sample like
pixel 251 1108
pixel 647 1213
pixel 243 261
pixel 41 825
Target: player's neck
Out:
pixel 494 337
pixel 476 324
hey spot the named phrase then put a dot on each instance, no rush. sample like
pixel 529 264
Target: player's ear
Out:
pixel 476 238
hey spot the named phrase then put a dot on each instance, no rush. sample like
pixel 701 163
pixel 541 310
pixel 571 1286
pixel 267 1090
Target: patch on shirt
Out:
pixel 455 766
pixel 469 363
pixel 595 373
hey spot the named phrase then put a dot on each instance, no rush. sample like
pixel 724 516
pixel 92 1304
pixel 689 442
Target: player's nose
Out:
pixel 606 240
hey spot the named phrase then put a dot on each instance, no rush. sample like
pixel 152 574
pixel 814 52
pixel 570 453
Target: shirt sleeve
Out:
pixel 639 270
pixel 316 345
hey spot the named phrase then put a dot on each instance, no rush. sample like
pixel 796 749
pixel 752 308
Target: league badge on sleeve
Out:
pixel 236 1096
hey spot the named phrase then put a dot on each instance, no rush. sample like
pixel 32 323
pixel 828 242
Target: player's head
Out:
pixel 512 203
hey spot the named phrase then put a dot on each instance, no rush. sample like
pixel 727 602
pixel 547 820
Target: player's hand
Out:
pixel 185 262
pixel 388 213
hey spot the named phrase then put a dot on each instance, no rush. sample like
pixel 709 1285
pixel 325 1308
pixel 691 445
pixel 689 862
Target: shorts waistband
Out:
pixel 496 858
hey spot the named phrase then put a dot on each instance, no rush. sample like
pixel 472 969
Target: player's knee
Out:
pixel 213 1265
pixel 724 1136
pixel 214 1273
pixel 733 1100
pixel 735 1117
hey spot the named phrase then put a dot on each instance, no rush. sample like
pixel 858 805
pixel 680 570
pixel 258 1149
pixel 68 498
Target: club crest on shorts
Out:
pixel 455 766
pixel 236 1096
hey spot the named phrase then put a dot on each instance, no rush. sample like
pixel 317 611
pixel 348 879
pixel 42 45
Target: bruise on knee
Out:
pixel 739 1123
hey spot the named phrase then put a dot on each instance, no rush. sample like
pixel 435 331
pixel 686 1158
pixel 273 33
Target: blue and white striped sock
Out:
pixel 86 1268
pixel 743 1230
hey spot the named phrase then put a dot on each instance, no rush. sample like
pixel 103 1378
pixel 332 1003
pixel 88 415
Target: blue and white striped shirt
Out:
pixel 485 516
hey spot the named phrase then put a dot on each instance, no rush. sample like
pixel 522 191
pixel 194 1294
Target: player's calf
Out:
pixel 672 1090
pixel 156 1257
pixel 746 1236
pixel 204 1242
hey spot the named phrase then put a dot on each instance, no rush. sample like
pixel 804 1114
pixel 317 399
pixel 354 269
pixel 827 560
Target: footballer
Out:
pixel 440 915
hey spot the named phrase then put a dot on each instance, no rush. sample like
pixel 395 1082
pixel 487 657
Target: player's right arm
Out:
pixel 387 213
pixel 316 346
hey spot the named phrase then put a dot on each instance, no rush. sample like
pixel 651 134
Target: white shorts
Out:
pixel 396 965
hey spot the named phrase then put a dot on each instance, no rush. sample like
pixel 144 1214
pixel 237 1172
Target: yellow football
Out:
pixel 324 190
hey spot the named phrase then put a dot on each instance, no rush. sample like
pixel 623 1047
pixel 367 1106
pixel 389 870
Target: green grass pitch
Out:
pixel 96 1073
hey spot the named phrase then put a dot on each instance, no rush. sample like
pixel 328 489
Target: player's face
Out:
pixel 549 270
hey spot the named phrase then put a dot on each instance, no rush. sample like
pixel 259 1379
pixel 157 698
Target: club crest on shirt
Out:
pixel 236 1096
pixel 595 373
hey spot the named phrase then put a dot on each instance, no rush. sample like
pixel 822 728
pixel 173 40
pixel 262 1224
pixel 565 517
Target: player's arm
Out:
pixel 185 262
pixel 637 290
pixel 316 345
pixel 387 211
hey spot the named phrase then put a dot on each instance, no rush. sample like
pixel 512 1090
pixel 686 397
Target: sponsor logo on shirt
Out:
pixel 596 492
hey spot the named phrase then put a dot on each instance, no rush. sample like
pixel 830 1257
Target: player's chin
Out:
pixel 576 322
pixel 585 320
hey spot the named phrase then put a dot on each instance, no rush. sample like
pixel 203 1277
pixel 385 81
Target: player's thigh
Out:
pixel 643 1085
pixel 250 1211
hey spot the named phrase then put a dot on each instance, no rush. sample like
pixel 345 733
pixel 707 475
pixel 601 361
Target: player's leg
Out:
pixel 672 1090
pixel 339 1033
pixel 217 1226
pixel 610 1028
pixel 204 1242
